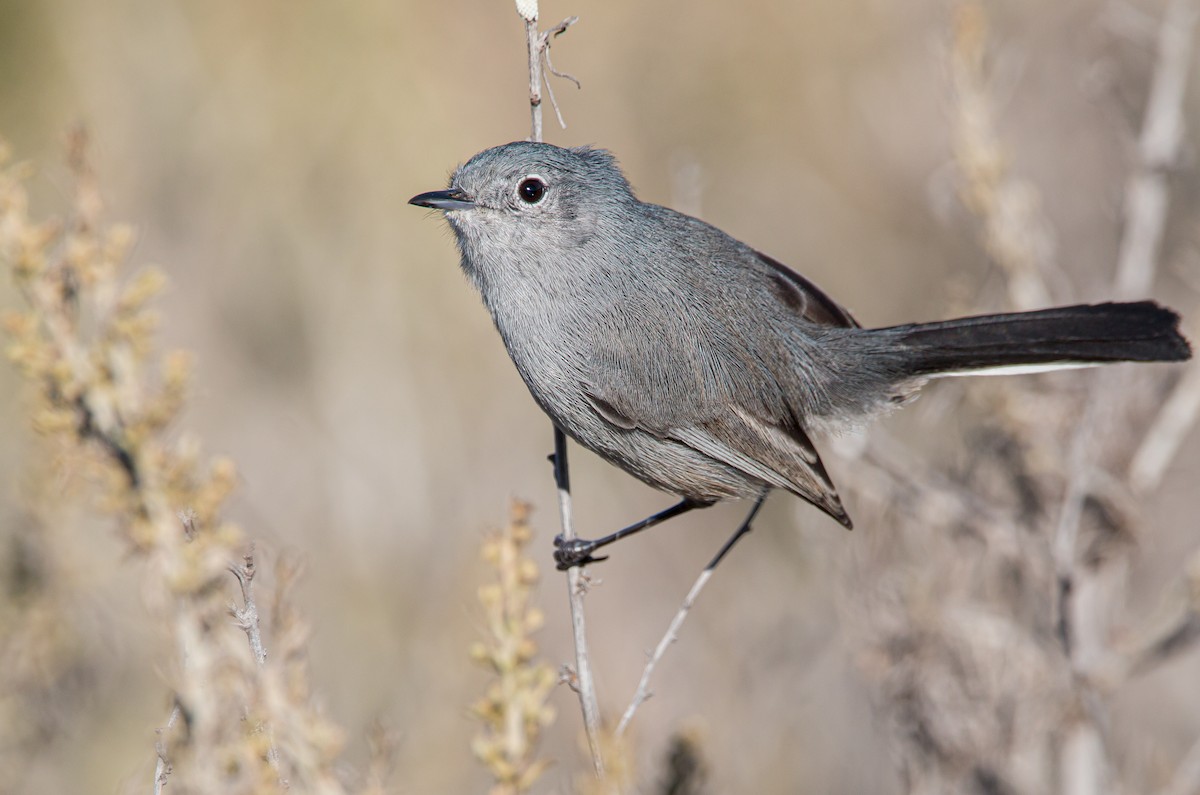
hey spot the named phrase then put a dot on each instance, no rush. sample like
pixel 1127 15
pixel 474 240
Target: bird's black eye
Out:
pixel 531 190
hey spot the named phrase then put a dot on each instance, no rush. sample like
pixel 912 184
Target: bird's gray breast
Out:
pixel 548 330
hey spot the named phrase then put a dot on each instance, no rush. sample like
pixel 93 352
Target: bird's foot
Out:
pixel 569 553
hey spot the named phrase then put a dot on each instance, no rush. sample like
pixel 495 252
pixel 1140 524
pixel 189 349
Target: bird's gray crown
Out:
pixel 571 177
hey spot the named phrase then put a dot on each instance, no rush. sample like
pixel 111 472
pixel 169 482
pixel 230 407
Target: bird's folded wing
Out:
pixel 805 298
pixel 786 459
pixel 778 453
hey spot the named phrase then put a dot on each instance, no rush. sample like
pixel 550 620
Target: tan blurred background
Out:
pixel 265 150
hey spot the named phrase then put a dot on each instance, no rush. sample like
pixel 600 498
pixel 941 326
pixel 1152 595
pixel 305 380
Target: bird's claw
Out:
pixel 569 553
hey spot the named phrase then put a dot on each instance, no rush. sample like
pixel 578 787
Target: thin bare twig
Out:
pixel 162 767
pixel 556 31
pixel 538 44
pixel 672 634
pixel 1066 531
pixel 585 685
pixel 1158 150
pixel 1164 436
pixel 546 38
pixel 533 40
pixel 553 100
pixel 247 619
pixel 583 681
pixel 247 615
pixel 1084 758
pixel 1145 216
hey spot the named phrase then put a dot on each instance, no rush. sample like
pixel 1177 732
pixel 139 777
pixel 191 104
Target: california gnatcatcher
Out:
pixel 698 364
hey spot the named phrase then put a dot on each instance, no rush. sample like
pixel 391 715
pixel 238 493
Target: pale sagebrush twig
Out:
pixel 1055 741
pixel 162 766
pixel 672 634
pixel 247 615
pixel 1084 758
pixel 1146 193
pixel 585 686
pixel 642 693
pixel 1166 433
pixel 247 619
pixel 1146 203
pixel 582 680
pixel 557 30
pixel 1066 530
pixel 538 44
pixel 1016 234
pixel 528 9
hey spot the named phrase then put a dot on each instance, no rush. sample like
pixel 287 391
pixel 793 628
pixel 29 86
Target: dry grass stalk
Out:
pixel 514 710
pixel 1014 234
pixel 991 606
pixel 86 344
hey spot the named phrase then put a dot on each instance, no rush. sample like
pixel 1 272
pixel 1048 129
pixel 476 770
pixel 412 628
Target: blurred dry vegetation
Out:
pixel 1014 614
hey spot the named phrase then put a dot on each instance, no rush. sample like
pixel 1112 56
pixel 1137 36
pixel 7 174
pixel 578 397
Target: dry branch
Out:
pixel 986 689
pixel 86 344
pixel 584 684
pixel 515 711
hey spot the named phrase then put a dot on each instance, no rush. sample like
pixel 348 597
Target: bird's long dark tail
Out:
pixel 1065 336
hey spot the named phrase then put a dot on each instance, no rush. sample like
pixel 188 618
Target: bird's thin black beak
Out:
pixel 443 200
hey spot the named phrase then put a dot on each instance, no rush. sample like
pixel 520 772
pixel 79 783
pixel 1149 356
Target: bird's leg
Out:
pixel 578 551
pixel 743 528
pixel 558 459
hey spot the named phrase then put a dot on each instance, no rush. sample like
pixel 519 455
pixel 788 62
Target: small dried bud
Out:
pixel 478 652
pixel 144 286
pixel 528 9
pixel 118 242
pixel 528 572
pixel 526 650
pixel 490 551
pixel 490 596
pixel 224 472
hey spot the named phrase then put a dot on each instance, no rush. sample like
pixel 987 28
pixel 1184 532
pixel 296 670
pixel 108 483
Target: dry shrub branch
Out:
pixel 85 342
pixel 514 710
pixel 994 607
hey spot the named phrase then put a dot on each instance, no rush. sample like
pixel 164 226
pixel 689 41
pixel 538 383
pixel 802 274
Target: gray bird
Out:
pixel 698 364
